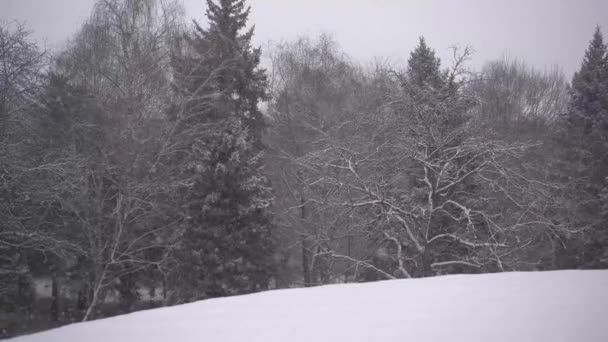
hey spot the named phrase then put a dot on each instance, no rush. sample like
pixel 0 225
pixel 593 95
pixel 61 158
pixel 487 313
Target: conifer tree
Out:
pixel 586 140
pixel 232 63
pixel 423 69
pixel 227 247
pixel 589 93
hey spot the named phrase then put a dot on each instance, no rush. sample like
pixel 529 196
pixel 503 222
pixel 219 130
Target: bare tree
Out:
pixel 21 65
pixel 315 88
pixel 510 91
pixel 107 182
pixel 437 192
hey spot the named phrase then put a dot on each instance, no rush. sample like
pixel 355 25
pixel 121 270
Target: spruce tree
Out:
pixel 231 61
pixel 425 84
pixel 423 69
pixel 586 149
pixel 589 93
pixel 227 247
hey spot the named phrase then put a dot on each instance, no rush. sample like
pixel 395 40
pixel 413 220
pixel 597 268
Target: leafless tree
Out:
pixel 21 65
pixel 510 91
pixel 438 192
pixel 110 187
pixel 314 87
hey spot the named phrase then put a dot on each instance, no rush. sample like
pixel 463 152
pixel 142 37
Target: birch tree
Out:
pixel 119 63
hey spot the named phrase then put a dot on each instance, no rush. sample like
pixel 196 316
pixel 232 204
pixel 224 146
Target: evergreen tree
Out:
pixel 589 93
pixel 426 85
pixel 227 247
pixel 423 69
pixel 231 61
pixel 586 151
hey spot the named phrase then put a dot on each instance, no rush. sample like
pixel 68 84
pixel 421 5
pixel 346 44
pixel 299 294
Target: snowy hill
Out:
pixel 542 306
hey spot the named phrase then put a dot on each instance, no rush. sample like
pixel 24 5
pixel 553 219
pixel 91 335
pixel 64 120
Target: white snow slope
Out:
pixel 515 307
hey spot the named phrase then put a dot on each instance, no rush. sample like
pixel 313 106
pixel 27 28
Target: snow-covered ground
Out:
pixel 535 307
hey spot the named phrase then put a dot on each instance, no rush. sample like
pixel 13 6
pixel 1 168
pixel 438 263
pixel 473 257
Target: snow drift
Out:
pixel 540 306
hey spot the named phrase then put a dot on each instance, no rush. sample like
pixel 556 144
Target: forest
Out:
pixel 154 162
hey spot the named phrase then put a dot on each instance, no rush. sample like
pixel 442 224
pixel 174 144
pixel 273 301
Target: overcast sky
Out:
pixel 545 33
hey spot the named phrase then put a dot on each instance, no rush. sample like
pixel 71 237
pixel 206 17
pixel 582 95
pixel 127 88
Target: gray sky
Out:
pixel 545 33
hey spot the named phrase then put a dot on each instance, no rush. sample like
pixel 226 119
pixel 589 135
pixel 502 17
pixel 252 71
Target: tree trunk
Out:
pixel 306 254
pixel 425 267
pixel 95 297
pixel 92 304
pixel 55 298
pixel 306 272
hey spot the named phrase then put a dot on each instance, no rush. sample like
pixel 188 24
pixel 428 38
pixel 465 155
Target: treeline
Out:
pixel 138 169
